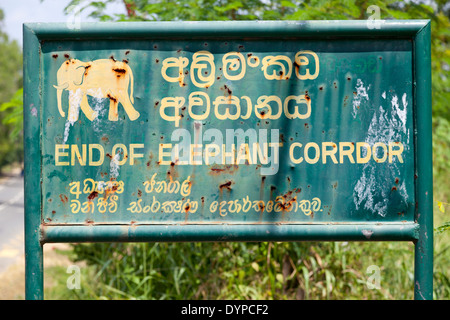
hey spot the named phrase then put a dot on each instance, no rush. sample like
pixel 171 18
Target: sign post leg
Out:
pixel 423 258
pixel 34 268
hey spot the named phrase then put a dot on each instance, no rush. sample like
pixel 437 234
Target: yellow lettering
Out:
pixel 59 154
pixel 133 154
pixel 374 152
pixel 330 153
pixel 348 152
pixel 359 159
pixel 99 162
pixel 163 154
pixel 291 153
pixel 397 152
pixel 75 152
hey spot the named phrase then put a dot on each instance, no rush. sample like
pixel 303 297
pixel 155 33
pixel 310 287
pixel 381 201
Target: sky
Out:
pixel 18 12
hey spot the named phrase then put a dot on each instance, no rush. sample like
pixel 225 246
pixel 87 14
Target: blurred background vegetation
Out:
pixel 251 270
pixel 11 146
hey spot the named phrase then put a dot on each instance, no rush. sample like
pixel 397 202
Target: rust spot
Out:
pixel 139 193
pixel 66 56
pixel 261 206
pixel 63 198
pixel 125 61
pixel 157 60
pixel 120 70
pixel 105 139
pixel 109 156
pixel 127 52
pixel 55 56
pixel 396 180
pixel 89 221
pixel 93 195
pixel 111 98
pixel 226 185
pixel 112 58
pixel 53 212
pixel 320 88
pixel 228 169
pixel 394 188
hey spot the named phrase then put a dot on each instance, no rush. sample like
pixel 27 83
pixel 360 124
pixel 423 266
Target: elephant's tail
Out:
pixel 132 85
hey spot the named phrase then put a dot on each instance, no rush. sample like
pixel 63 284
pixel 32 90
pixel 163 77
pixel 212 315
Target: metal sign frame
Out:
pixel 37 233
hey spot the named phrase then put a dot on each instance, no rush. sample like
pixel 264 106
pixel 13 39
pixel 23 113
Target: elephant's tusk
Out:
pixel 61 87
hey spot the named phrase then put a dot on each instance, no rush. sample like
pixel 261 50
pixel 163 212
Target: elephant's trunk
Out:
pixel 59 94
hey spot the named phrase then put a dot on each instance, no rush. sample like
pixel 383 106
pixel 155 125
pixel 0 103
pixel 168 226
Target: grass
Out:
pixel 337 270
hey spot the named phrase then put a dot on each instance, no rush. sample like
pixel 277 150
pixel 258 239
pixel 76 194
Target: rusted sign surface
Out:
pixel 228 131
pixel 275 131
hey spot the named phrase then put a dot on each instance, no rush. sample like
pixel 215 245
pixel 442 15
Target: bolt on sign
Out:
pixel 228 131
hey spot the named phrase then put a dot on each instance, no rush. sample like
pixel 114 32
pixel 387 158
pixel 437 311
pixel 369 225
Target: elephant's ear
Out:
pixel 78 75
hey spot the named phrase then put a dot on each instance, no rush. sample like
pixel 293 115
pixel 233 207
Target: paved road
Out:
pixel 11 220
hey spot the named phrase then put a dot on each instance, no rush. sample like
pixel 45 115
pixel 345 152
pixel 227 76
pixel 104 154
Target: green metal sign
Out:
pixel 228 131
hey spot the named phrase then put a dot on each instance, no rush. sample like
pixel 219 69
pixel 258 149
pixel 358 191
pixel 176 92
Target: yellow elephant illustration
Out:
pixel 103 78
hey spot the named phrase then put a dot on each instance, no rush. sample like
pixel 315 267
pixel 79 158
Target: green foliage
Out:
pixel 13 111
pixel 243 271
pixel 10 112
